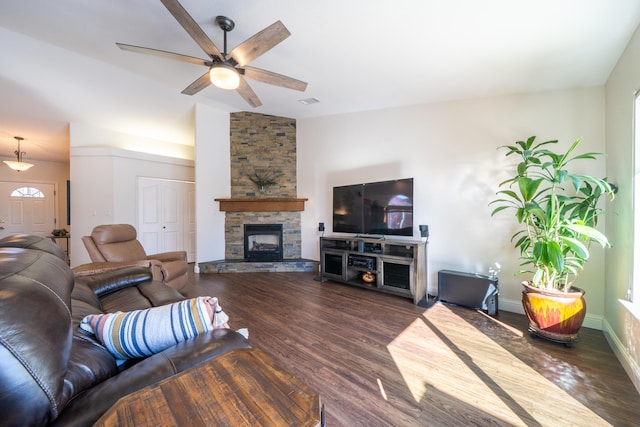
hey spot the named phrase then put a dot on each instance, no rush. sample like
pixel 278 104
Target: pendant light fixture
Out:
pixel 223 74
pixel 18 165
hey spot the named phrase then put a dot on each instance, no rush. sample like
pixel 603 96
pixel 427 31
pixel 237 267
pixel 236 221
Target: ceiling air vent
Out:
pixel 308 101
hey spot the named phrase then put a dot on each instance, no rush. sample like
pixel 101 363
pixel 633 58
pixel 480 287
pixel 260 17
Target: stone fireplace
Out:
pixel 266 146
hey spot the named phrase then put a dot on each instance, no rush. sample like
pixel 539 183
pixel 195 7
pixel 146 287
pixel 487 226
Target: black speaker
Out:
pixel 321 226
pixel 470 290
pixel 424 230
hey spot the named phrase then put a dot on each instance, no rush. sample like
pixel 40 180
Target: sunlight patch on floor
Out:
pixel 443 354
pixel 514 331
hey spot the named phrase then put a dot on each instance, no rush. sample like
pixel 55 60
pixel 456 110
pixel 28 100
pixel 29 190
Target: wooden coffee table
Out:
pixel 243 387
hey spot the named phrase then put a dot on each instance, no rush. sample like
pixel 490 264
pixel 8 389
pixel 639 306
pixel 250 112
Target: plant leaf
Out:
pixel 555 255
pixel 589 233
pixel 576 246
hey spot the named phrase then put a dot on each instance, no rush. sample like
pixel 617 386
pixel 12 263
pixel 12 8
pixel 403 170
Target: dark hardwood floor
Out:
pixel 378 360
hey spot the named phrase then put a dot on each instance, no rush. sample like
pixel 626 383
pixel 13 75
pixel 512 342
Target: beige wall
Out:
pixel 622 320
pixel 450 149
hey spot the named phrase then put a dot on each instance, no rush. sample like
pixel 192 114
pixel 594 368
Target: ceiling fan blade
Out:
pixel 194 30
pixel 163 54
pixel 272 78
pixel 248 94
pixel 201 83
pixel 259 43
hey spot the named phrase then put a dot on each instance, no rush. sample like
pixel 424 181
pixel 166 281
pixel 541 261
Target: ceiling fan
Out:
pixel 226 70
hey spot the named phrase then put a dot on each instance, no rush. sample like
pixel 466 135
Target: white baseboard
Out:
pixel 510 305
pixel 630 366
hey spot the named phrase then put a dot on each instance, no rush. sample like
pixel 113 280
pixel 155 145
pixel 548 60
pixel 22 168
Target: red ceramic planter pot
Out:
pixel 554 315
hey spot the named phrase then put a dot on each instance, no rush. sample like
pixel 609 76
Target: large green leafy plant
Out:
pixel 558 210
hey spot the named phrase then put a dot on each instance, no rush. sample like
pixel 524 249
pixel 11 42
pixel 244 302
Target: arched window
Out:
pixel 27 192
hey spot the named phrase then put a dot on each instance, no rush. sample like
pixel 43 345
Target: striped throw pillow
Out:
pixel 142 333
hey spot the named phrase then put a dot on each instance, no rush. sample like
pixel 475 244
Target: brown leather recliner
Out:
pixel 118 243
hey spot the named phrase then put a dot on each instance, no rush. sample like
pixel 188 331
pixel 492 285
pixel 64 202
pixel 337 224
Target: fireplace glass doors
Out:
pixel 262 242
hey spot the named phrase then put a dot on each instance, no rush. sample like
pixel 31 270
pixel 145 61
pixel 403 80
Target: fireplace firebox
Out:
pixel 262 242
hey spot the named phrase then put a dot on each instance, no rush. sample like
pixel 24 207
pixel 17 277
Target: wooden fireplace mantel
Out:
pixel 264 204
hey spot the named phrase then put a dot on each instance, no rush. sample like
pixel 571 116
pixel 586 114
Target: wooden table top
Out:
pixel 243 387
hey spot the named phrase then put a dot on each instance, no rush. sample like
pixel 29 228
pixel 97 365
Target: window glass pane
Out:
pixel 27 192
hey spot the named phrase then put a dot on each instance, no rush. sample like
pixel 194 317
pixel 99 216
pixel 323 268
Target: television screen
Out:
pixel 347 209
pixel 388 207
pixel 382 208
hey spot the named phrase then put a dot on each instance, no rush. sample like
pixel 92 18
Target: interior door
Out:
pixel 27 207
pixel 165 207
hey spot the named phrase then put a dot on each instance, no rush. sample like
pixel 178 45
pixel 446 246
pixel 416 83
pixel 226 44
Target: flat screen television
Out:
pixel 376 208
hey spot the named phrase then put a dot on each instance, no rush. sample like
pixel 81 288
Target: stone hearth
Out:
pixel 240 266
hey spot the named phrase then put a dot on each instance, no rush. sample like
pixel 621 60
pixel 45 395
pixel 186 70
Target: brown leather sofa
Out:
pixel 118 243
pixel 54 373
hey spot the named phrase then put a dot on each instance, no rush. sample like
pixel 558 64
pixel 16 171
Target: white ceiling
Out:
pixel 356 55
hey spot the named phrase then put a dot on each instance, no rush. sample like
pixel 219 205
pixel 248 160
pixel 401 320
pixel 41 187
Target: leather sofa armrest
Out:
pixel 109 281
pixel 169 256
pixel 175 273
pixel 102 267
pixel 173 269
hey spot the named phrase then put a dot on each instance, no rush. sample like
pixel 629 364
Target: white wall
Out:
pixel 450 149
pixel 104 181
pixel 622 323
pixel 213 180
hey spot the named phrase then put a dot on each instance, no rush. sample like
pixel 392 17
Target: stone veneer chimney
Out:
pixel 262 144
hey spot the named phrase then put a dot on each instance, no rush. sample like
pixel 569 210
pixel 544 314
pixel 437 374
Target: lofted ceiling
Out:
pixel 63 65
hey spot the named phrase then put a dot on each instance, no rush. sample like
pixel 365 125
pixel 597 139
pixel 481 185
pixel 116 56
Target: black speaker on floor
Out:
pixel 470 290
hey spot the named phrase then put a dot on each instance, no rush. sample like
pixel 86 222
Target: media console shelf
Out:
pixel 398 266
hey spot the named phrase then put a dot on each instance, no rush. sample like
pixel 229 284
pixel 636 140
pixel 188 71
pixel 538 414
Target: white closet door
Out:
pixel 164 211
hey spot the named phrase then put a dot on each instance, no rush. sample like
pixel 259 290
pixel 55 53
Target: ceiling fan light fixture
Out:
pixel 18 165
pixel 224 76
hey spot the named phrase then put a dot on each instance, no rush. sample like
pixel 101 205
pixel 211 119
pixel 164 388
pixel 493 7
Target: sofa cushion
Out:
pixel 142 333
pixel 159 294
pixel 127 299
pixel 35 334
pixel 89 364
pixel 83 293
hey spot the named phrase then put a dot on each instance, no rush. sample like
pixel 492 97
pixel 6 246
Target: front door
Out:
pixel 27 207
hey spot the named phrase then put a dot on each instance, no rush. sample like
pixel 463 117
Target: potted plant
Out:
pixel 263 180
pixel 558 211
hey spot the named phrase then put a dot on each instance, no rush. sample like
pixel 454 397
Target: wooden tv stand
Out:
pixel 398 266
